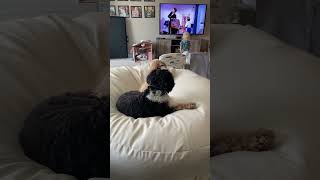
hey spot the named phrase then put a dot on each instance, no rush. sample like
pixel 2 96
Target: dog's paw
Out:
pixel 261 140
pixel 186 106
pixel 191 106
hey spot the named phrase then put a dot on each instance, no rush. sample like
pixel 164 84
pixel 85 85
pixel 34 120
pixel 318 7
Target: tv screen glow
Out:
pixel 188 17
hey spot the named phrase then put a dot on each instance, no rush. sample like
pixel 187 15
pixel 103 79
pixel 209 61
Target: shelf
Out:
pixel 171 45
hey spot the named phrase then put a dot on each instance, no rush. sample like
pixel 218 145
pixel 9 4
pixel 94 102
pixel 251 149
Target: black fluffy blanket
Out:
pixel 69 134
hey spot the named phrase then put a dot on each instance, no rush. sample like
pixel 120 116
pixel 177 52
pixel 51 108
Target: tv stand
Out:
pixel 172 45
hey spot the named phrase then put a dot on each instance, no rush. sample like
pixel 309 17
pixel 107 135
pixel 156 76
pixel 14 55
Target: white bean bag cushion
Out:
pixel 42 57
pixel 172 147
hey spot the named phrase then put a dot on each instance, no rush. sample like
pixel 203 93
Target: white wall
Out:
pixel 148 28
pixel 10 9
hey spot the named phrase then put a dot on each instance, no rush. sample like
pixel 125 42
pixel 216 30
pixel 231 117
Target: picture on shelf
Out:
pixel 113 11
pixel 149 11
pixel 136 12
pixel 123 11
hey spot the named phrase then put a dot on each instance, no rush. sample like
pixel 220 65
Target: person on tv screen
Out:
pixel 173 23
pixel 188 25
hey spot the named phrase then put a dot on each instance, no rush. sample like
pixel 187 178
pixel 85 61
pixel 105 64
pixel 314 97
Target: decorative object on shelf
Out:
pixel 136 12
pixel 142 51
pixel 149 11
pixel 87 1
pixel 113 11
pixel 149 0
pixel 123 11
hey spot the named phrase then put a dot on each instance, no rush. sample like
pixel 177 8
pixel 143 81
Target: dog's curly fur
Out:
pixel 153 65
pixel 259 140
pixel 67 133
pixel 153 101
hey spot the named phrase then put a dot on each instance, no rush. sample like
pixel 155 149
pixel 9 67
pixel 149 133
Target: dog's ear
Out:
pixel 169 81
pixel 150 77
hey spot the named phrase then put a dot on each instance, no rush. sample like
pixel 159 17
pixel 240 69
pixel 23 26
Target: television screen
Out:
pixel 178 18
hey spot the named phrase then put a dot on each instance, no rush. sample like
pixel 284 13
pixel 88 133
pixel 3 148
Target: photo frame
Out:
pixel 113 10
pixel 123 11
pixel 136 11
pixel 149 11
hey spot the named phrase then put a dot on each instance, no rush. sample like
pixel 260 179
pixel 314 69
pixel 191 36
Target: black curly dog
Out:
pixel 154 101
pixel 68 134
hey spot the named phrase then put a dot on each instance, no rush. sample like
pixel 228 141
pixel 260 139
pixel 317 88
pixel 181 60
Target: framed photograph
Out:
pixel 136 11
pixel 149 11
pixel 148 0
pixel 113 10
pixel 87 1
pixel 123 11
